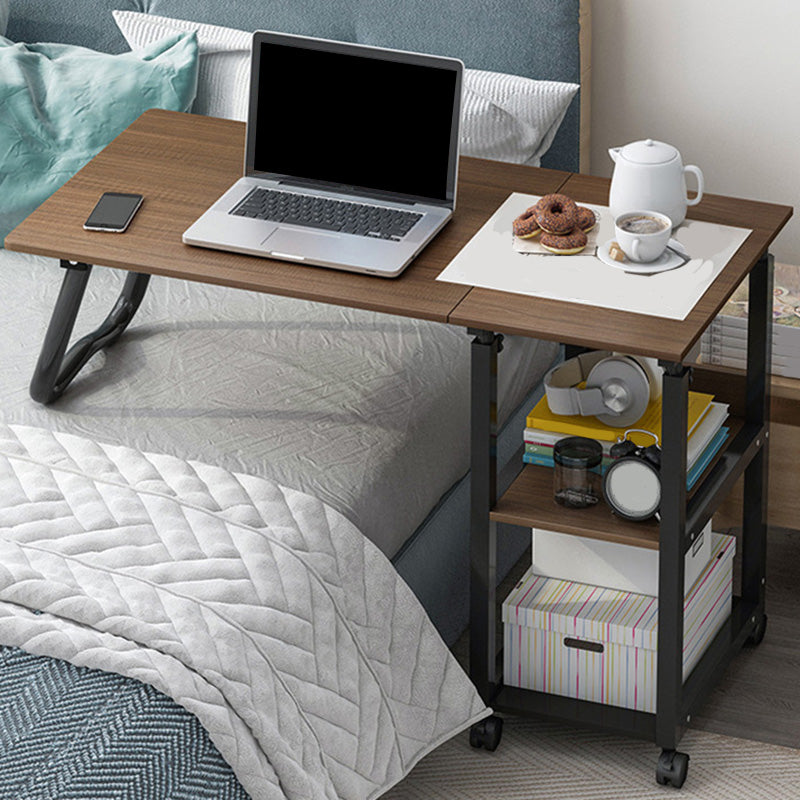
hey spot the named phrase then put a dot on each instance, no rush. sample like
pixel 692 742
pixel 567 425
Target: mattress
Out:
pixel 365 411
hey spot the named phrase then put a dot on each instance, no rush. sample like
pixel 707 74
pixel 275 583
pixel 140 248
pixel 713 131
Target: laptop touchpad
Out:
pixel 304 244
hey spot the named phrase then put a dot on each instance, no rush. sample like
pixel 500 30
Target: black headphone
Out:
pixel 632 484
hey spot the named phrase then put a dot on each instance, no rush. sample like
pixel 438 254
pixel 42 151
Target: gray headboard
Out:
pixel 535 38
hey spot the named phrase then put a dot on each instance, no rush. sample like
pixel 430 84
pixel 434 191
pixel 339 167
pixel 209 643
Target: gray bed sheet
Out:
pixel 366 411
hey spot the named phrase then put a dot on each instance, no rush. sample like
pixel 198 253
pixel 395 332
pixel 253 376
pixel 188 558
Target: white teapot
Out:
pixel 650 176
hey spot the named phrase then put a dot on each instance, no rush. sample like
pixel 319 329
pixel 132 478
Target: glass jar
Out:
pixel 576 484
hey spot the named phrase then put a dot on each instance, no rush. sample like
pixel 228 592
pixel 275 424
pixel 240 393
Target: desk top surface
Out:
pixel 182 163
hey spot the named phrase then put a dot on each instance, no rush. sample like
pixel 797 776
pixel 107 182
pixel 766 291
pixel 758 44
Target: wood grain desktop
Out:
pixel 182 163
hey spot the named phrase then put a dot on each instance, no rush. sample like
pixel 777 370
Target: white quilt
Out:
pixel 258 608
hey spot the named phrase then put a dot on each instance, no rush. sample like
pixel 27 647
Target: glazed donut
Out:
pixel 557 214
pixel 525 225
pixel 566 245
pixel 586 219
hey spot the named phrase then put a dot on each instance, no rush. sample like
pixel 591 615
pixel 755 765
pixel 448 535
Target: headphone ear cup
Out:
pixel 625 387
pixel 654 372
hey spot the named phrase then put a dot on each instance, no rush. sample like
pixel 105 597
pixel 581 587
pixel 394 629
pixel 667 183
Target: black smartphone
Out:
pixel 113 212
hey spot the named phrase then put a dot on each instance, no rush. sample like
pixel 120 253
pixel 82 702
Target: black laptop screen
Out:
pixel 355 121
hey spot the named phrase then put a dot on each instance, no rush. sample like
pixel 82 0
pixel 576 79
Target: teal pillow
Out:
pixel 60 105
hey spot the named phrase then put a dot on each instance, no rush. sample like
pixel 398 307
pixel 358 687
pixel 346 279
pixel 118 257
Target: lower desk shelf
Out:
pixel 733 635
pixel 529 503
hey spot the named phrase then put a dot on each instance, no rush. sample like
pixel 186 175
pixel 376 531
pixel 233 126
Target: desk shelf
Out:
pixel 529 503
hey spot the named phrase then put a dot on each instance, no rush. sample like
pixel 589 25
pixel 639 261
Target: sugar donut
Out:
pixel 557 214
pixel 525 225
pixel 566 245
pixel 586 219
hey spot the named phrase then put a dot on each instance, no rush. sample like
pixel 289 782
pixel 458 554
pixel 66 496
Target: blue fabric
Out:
pixel 436 558
pixel 537 39
pixel 62 104
pixel 71 733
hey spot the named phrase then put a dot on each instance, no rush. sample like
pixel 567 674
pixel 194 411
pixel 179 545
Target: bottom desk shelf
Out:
pixel 740 626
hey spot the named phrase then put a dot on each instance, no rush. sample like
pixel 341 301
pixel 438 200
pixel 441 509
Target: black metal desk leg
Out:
pixel 671 555
pixel 54 370
pixel 483 494
pixel 754 515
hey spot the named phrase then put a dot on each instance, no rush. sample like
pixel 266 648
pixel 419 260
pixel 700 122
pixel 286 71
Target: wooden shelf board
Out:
pixel 529 502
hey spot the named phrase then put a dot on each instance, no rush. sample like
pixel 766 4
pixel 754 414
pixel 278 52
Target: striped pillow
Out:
pixel 504 117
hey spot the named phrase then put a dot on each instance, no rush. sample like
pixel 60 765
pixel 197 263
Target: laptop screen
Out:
pixel 366 119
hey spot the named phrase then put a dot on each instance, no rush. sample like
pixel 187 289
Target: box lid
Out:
pixel 609 615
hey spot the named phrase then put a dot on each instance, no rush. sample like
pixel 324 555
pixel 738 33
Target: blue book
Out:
pixel 692 476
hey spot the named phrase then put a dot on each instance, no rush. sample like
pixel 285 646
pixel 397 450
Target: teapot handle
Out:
pixel 699 175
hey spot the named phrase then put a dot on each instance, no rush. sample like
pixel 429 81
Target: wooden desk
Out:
pixel 182 163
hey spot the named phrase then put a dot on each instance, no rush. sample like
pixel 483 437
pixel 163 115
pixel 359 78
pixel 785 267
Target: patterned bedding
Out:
pixel 259 609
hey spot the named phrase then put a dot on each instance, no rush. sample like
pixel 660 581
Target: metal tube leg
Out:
pixel 671 555
pixel 483 494
pixel 754 513
pixel 54 370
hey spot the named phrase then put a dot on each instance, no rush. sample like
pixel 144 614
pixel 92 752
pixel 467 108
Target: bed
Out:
pixel 273 388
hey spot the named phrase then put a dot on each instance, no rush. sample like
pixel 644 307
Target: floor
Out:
pixel 759 695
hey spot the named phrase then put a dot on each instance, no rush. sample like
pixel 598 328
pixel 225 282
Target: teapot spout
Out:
pixel 614 152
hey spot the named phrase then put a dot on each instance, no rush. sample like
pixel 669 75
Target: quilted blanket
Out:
pixel 261 610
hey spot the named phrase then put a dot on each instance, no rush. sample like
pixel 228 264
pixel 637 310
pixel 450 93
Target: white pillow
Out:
pixel 224 73
pixel 504 117
pixel 509 118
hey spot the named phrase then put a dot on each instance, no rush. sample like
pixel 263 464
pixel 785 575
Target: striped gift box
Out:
pixel 599 644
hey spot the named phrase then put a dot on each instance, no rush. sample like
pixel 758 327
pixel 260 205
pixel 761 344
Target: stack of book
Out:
pixel 725 340
pixel 706 433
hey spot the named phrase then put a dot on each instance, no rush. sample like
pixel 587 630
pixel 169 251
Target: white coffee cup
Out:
pixel 643 235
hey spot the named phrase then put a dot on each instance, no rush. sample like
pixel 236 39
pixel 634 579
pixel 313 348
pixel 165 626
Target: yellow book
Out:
pixel 575 425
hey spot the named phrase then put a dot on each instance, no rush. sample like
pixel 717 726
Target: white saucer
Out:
pixel 667 260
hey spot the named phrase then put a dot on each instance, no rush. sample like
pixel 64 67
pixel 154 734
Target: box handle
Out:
pixel 582 644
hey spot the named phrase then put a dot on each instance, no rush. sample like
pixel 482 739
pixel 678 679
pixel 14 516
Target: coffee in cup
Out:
pixel 642 223
pixel 643 235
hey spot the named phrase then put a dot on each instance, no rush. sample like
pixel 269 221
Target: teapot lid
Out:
pixel 649 151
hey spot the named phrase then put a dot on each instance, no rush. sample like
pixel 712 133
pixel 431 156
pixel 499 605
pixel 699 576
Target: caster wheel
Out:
pixel 757 635
pixel 486 733
pixel 672 768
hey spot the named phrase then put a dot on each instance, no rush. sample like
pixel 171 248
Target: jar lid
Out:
pixel 649 151
pixel 578 452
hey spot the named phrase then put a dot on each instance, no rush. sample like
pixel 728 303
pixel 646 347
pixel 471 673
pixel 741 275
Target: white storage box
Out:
pixel 615 566
pixel 599 644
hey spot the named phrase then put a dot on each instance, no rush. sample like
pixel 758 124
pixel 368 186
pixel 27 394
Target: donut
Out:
pixel 565 245
pixel 586 219
pixel 525 225
pixel 557 214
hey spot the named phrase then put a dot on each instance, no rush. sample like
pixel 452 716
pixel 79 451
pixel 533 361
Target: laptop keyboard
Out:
pixel 330 215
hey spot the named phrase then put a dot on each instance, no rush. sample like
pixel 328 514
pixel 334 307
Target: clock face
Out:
pixel 632 488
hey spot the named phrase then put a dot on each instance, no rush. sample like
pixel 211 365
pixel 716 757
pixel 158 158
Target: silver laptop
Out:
pixel 351 157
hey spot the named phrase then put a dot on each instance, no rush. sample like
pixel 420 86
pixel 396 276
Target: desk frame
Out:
pixel 57 367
